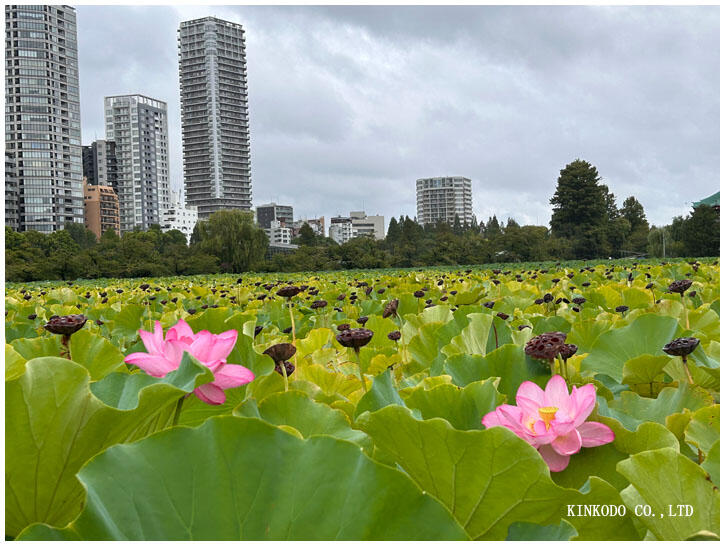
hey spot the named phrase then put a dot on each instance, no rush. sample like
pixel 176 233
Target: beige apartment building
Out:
pixel 101 208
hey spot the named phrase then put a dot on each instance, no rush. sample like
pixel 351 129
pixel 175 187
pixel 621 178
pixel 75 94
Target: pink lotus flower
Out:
pixel 552 420
pixel 164 356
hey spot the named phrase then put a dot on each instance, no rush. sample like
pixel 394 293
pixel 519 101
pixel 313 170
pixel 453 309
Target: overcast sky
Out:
pixel 349 105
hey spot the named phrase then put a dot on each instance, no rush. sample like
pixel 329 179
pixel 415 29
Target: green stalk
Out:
pixel 294 336
pixel 64 349
pixel 359 369
pixel 687 370
pixel 284 375
pixel 562 368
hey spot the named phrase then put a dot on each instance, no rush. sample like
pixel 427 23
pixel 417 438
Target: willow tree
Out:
pixel 232 236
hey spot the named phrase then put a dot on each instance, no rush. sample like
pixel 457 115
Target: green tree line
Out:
pixel 586 223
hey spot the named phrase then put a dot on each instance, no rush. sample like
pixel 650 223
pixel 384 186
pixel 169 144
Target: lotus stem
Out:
pixel 64 348
pixel 294 335
pixel 360 372
pixel 495 335
pixel 284 374
pixel 687 370
pixel 562 368
pixel 151 322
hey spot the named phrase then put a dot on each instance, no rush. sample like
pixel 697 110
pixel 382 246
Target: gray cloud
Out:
pixel 349 105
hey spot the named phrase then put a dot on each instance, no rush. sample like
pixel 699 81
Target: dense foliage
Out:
pixel 372 436
pixel 74 252
pixel 586 223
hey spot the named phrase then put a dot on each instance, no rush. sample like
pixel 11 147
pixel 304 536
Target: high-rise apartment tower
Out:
pixel 138 126
pixel 440 199
pixel 100 166
pixel 42 115
pixel 214 115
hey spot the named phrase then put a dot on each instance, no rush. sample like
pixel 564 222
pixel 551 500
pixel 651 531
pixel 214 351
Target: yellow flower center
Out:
pixel 547 415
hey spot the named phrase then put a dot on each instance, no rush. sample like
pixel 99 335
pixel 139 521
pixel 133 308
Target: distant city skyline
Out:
pixel 350 105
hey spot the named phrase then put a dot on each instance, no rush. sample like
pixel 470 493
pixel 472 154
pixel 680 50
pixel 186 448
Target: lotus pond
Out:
pixel 572 401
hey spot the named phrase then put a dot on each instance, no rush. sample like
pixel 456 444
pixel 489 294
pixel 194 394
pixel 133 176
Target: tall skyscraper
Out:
pixel 440 199
pixel 100 166
pixel 138 126
pixel 42 115
pixel 214 115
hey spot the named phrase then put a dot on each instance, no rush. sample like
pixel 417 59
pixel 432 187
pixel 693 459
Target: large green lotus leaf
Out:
pixel 430 315
pixel 711 464
pixel 602 461
pixel 550 324
pixel 708 378
pixel 532 532
pixel 704 428
pixel 636 297
pixel 129 320
pixel 243 479
pixel 296 410
pixel 61 295
pixel 424 346
pixel 709 358
pixel 584 333
pixel 194 411
pixel 473 339
pixel 631 409
pixel 407 304
pixel 244 323
pixel 14 363
pixel 380 327
pixel 373 360
pixel 213 320
pixel 499 334
pixel 488 478
pixel 98 355
pixel 316 339
pixel 406 385
pixel 663 479
pixel 468 297
pixel 644 369
pixel 704 324
pixel 382 393
pixel 37 347
pixel 508 362
pixel 18 327
pixel 462 408
pixel 331 383
pixel 645 335
pixel 56 424
pixel 605 296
